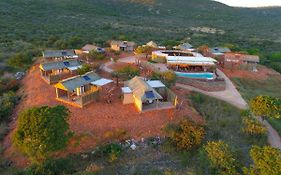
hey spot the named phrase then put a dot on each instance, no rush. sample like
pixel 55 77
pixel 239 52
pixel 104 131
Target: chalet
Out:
pixel 80 90
pixel 59 54
pixel 126 46
pixel 53 72
pixel 218 51
pixel 148 95
pixel 151 44
pixel 89 47
pixel 240 61
pixel 184 46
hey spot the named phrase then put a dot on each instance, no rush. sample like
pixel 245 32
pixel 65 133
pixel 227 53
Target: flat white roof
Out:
pixel 155 83
pixel 74 67
pixel 190 59
pixel 126 90
pixel 101 82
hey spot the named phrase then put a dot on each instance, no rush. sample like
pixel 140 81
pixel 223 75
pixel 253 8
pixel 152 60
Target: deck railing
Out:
pixel 89 97
pixel 171 97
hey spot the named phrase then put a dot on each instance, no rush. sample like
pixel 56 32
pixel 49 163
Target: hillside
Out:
pixel 27 24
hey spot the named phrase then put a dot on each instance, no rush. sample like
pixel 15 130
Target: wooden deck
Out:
pixel 76 103
pixel 159 106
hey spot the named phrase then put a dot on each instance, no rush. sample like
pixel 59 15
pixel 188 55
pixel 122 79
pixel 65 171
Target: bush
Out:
pixel 84 69
pixel 42 131
pixel 168 77
pixel 96 55
pixel 221 158
pixel 187 136
pixel 51 167
pixel 3 130
pixel 266 161
pixel 112 151
pixel 23 59
pixel 266 106
pixel 8 85
pixel 127 72
pixel 7 104
pixel 252 126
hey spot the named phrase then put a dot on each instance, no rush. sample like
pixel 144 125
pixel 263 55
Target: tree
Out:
pixel 221 158
pixel 96 55
pixel 187 136
pixel 7 103
pixel 168 77
pixel 127 72
pixel 266 106
pixel 23 59
pixel 42 131
pixel 144 50
pixel 266 161
pixel 84 69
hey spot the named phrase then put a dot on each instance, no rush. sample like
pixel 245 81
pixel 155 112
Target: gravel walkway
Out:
pixel 130 60
pixel 230 94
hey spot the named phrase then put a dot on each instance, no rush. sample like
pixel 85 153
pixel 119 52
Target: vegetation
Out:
pixel 221 158
pixel 112 151
pixel 23 59
pixel 187 136
pixel 94 55
pixel 52 28
pixel 266 161
pixel 51 167
pixel 42 131
pixel 253 127
pixel 84 69
pixel 127 72
pixel 7 103
pixel 223 122
pixel 144 50
pixel 253 88
pixel 266 106
pixel 168 77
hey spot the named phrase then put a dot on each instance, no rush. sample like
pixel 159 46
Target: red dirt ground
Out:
pixel 120 65
pixel 262 74
pixel 92 122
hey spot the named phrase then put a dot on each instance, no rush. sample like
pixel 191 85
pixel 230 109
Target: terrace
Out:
pixel 53 72
pixel 81 90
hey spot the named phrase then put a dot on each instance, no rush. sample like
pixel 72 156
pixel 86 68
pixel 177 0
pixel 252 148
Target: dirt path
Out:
pixel 129 60
pixel 273 137
pixel 230 94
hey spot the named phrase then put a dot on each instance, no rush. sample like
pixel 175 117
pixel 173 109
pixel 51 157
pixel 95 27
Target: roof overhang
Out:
pixel 101 82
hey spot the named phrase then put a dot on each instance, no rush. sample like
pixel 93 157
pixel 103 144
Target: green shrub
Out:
pixel 127 72
pixel 112 151
pixel 8 85
pixel 252 126
pixel 94 55
pixel 51 167
pixel 167 77
pixel 187 136
pixel 266 106
pixel 42 131
pixel 23 59
pixel 84 69
pixel 3 130
pixel 266 161
pixel 221 158
pixel 7 104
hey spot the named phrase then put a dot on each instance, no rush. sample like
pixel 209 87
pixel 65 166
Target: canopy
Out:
pixel 101 82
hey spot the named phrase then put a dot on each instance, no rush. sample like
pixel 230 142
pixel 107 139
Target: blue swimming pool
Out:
pixel 203 75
